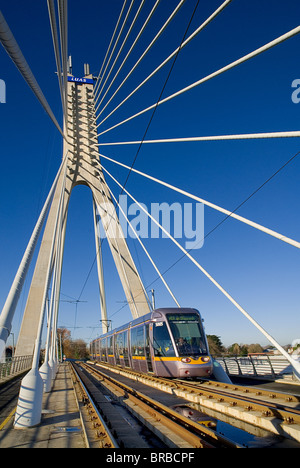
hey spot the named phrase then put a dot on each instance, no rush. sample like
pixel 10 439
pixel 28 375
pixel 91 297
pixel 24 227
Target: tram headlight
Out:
pixel 186 359
pixel 205 359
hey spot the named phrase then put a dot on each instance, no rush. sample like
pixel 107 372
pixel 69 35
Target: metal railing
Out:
pixel 259 366
pixel 14 366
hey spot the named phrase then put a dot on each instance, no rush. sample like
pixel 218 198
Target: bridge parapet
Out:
pixel 259 366
pixel 10 367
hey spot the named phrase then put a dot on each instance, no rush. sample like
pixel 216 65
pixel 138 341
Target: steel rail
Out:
pixel 267 408
pixel 103 437
pixel 226 393
pixel 195 434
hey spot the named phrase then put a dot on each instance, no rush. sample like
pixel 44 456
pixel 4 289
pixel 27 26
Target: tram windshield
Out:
pixel 188 334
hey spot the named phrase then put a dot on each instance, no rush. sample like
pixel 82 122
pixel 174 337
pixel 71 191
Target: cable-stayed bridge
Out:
pixel 86 101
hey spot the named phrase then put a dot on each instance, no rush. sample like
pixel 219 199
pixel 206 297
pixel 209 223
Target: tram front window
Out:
pixel 162 343
pixel 188 334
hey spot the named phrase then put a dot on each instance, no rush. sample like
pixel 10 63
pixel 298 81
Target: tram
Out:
pixel 167 342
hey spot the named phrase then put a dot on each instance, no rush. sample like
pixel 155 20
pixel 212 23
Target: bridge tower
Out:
pixel 81 166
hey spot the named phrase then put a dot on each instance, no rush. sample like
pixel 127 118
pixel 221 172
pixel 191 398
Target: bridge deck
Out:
pixel 60 426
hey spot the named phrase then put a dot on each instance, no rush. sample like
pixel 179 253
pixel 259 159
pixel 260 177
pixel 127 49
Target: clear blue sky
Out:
pixel 260 272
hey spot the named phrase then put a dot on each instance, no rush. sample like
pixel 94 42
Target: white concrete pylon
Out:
pixel 83 168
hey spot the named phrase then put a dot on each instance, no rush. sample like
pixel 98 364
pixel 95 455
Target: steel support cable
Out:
pixel 130 50
pixel 12 48
pixel 145 250
pixel 163 88
pixel 57 263
pixel 114 48
pixel 63 27
pixel 192 36
pixel 192 16
pixel 228 213
pixel 122 46
pixel 162 93
pixel 49 268
pixel 58 267
pixel 243 59
pixel 242 136
pixel 295 365
pixel 11 302
pixel 115 235
pixel 108 49
pixel 107 230
pixel 175 11
pixel 55 39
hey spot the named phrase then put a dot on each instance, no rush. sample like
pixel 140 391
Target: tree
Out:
pixel 236 350
pixel 215 344
pixel 72 349
pixel 78 350
pixel 255 348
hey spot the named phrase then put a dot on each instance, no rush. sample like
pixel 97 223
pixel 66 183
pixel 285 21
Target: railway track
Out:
pixel 9 392
pixel 275 412
pixel 167 425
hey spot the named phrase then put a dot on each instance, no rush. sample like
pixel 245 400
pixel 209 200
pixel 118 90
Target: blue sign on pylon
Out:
pixel 81 80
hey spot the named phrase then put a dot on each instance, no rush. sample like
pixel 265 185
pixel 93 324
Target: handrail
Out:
pixel 10 367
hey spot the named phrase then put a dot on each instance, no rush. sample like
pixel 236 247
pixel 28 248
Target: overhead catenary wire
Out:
pixel 12 48
pixel 192 36
pixel 231 65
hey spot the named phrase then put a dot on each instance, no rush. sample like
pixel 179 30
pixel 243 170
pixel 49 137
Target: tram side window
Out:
pixel 162 343
pixel 138 341
pixel 110 351
pixel 119 344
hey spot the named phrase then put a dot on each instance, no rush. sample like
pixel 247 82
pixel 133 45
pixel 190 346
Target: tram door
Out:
pixel 125 349
pixel 147 349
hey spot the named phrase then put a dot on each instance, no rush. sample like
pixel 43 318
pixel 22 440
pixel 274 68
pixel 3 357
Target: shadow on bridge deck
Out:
pixel 60 426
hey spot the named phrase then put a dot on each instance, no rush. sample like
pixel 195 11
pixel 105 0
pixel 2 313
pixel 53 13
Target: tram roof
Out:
pixel 144 318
